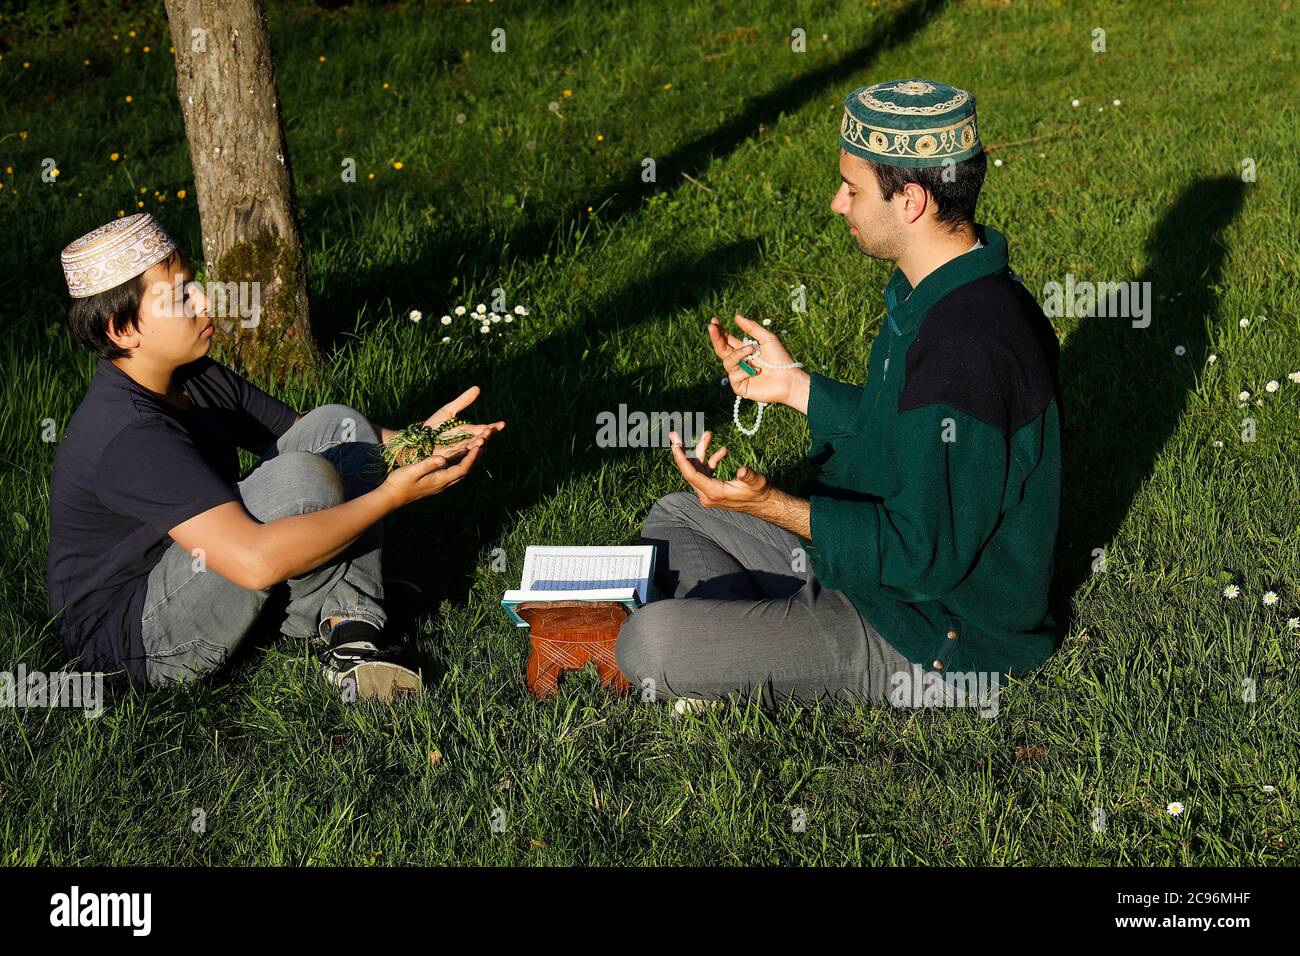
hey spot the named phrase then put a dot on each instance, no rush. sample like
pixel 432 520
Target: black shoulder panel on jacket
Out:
pixel 986 349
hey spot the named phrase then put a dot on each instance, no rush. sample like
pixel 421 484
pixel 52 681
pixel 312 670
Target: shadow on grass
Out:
pixel 427 269
pixel 1121 405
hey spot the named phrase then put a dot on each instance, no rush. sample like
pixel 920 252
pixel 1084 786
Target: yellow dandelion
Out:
pixel 568 92
pixel 143 190
pixel 22 134
pixel 180 194
pixel 113 157
pixel 121 213
pixel 397 165
pixel 87 62
pixel 370 176
pixel 139 203
pixel 54 171
pixel 128 97
pixel 9 169
pixel 588 209
pixel 145 49
pixel 131 34
pixel 385 86
pixel 600 138
pixel 322 59
pixel 26 65
pixel 668 86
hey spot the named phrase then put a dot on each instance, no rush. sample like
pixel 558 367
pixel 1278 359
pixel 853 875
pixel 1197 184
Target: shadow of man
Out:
pixel 1122 400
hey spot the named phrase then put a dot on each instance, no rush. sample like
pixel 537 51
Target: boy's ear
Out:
pixel 114 329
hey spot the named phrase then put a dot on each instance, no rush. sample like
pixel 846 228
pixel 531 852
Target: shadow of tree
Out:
pixel 1121 405
pixel 427 269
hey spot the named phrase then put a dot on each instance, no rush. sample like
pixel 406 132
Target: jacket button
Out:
pixel 938 665
pixel 952 634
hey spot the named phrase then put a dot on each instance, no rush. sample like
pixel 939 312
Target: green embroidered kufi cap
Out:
pixel 912 122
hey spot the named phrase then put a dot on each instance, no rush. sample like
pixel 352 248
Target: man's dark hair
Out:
pixel 954 201
pixel 89 317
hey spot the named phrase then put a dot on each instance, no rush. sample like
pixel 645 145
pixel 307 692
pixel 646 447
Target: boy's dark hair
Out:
pixel 954 200
pixel 89 317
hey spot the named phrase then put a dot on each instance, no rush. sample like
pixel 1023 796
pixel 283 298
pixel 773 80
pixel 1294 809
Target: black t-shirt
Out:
pixel 130 468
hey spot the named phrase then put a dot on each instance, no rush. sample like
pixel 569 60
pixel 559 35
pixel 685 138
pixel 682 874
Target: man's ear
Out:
pixel 915 201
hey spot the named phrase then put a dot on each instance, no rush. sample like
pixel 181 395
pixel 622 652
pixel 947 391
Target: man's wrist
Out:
pixel 799 391
pixel 785 511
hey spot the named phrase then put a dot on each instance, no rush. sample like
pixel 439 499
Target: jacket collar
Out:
pixel 905 306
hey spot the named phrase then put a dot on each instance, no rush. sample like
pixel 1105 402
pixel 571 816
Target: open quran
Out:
pixel 565 575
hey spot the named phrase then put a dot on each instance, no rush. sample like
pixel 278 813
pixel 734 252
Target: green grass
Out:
pixel 1141 706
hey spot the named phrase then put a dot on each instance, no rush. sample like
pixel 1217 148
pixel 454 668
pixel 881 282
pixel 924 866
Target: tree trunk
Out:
pixel 256 274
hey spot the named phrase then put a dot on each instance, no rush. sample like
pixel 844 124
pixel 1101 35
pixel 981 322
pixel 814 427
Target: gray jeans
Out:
pixel 747 616
pixel 194 618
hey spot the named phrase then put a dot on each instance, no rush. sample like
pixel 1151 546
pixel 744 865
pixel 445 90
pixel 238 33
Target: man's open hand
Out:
pixel 746 492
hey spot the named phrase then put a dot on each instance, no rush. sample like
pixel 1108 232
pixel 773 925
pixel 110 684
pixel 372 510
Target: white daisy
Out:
pixel 1174 809
pixel 997 162
pixel 1272 385
pixel 1212 359
pixel 510 318
pixel 484 328
pixel 1244 323
pixel 1293 376
pixel 445 320
pixel 1293 624
pixel 459 310
pixel 1074 102
pixel 1268 788
pixel 494 317
pixel 446 338
pixel 1180 350
pixel 481 309
pixel 1243 395
pixel 1115 102
pixel 1218 443
pixel 416 315
pixel 519 310
pixel 1269 598
pixel 1231 592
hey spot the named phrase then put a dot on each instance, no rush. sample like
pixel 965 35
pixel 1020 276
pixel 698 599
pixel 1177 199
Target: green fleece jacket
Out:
pixel 936 491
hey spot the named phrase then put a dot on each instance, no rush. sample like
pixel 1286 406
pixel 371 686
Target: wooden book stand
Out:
pixel 565 635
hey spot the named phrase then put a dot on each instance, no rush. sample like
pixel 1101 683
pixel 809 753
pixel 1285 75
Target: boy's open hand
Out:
pixel 746 492
pixel 783 386
pixel 453 409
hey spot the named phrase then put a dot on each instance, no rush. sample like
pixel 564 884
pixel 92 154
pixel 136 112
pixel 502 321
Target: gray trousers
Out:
pixel 194 618
pixel 748 616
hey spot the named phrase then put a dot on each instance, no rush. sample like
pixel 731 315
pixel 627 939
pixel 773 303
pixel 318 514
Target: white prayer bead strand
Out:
pixel 735 410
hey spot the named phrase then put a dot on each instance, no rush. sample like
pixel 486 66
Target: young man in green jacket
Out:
pixel 922 554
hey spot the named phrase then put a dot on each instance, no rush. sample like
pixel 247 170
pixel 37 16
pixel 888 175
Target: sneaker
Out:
pixel 372 679
pixel 360 663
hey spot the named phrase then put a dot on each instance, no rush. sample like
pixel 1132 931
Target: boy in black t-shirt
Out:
pixel 160 559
